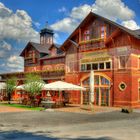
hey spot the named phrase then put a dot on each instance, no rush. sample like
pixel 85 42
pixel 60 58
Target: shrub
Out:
pixel 127 110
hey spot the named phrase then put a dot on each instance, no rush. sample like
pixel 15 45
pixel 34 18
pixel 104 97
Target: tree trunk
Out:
pixel 9 98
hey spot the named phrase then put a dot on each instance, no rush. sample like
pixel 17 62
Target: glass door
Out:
pixel 86 97
pixel 104 96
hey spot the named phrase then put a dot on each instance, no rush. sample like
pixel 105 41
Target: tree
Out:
pixel 10 87
pixel 33 86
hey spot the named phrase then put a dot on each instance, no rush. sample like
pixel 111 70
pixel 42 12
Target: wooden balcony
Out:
pixel 91 46
pixel 46 75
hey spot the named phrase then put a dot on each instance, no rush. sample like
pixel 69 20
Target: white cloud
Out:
pixel 113 9
pixel 65 25
pixel 63 9
pixel 131 24
pixel 4 45
pixel 56 37
pixel 4 11
pixel 15 62
pixel 16 25
pixel 37 24
pixel 5 48
pixel 80 12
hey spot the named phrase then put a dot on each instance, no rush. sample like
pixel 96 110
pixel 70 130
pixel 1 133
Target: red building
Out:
pixel 98 44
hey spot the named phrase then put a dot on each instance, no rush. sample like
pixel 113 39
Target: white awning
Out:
pixel 22 87
pixel 2 85
pixel 60 85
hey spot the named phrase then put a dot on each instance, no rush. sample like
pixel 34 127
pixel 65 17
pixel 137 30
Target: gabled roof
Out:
pixel 51 57
pixel 134 33
pixel 55 45
pixel 137 32
pixel 39 47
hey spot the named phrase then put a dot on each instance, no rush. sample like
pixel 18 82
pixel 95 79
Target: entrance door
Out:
pixel 101 90
pixel 96 96
pixel 86 97
pixel 104 96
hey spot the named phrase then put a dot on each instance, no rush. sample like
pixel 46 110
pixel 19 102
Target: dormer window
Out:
pixel 103 31
pixel 87 35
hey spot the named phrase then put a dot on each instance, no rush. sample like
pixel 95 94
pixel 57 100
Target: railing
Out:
pixel 91 46
pixel 43 74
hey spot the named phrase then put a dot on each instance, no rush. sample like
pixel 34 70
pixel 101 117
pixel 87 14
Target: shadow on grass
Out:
pixel 19 135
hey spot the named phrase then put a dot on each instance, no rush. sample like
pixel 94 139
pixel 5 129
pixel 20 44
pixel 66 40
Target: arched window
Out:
pixel 98 81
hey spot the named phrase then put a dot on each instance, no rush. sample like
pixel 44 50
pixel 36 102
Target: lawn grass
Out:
pixel 22 106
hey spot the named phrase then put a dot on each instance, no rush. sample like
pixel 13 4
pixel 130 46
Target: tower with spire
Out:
pixel 46 35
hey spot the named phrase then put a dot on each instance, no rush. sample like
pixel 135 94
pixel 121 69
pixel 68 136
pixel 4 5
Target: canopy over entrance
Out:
pixel 60 85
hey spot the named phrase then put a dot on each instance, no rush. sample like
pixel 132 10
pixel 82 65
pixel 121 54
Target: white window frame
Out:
pixel 119 62
pixel 98 66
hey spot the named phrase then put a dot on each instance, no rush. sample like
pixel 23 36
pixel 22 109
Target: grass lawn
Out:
pixel 22 106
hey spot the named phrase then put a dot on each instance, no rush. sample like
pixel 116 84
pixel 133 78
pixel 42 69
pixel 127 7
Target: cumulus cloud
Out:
pixel 63 9
pixel 65 25
pixel 16 25
pixel 15 63
pixel 115 10
pixel 5 49
pixel 131 24
pixel 15 29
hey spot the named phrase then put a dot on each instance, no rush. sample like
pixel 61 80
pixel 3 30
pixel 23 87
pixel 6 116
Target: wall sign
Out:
pixel 122 86
pixel 97 56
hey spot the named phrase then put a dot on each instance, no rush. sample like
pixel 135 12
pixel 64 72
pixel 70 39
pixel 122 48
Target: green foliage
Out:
pixel 33 84
pixel 23 106
pixel 10 86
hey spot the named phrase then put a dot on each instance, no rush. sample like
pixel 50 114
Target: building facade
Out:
pixel 98 44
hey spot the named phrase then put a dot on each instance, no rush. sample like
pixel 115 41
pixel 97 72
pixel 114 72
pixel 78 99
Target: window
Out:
pixel 83 67
pixel 101 65
pixel 123 62
pixel 95 66
pixel 139 90
pixel 108 65
pixel 88 66
pixel 103 31
pixel 86 35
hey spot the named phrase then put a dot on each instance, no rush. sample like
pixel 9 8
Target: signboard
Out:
pixel 95 56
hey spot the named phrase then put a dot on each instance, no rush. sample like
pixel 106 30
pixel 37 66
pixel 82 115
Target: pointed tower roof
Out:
pixel 47 29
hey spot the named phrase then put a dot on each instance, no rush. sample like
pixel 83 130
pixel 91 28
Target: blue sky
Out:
pixel 21 20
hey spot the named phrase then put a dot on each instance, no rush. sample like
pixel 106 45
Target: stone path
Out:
pixel 86 109
pixel 11 109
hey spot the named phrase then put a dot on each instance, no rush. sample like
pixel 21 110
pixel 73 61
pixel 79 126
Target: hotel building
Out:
pixel 98 44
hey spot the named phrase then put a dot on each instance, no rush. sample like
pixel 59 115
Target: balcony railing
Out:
pixel 91 41
pixel 91 46
pixel 43 74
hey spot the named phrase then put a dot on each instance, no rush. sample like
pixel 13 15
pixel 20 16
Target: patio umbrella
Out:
pixel 60 86
pixel 2 85
pixel 22 87
pixel 91 86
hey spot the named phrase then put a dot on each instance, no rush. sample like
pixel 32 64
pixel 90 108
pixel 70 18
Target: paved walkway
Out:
pixel 11 109
pixel 86 109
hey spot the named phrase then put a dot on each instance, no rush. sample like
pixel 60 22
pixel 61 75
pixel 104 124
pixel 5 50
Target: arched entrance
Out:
pixel 101 90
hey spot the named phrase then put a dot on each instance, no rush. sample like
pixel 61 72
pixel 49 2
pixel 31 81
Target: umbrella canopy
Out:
pixel 2 85
pixel 22 87
pixel 60 85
